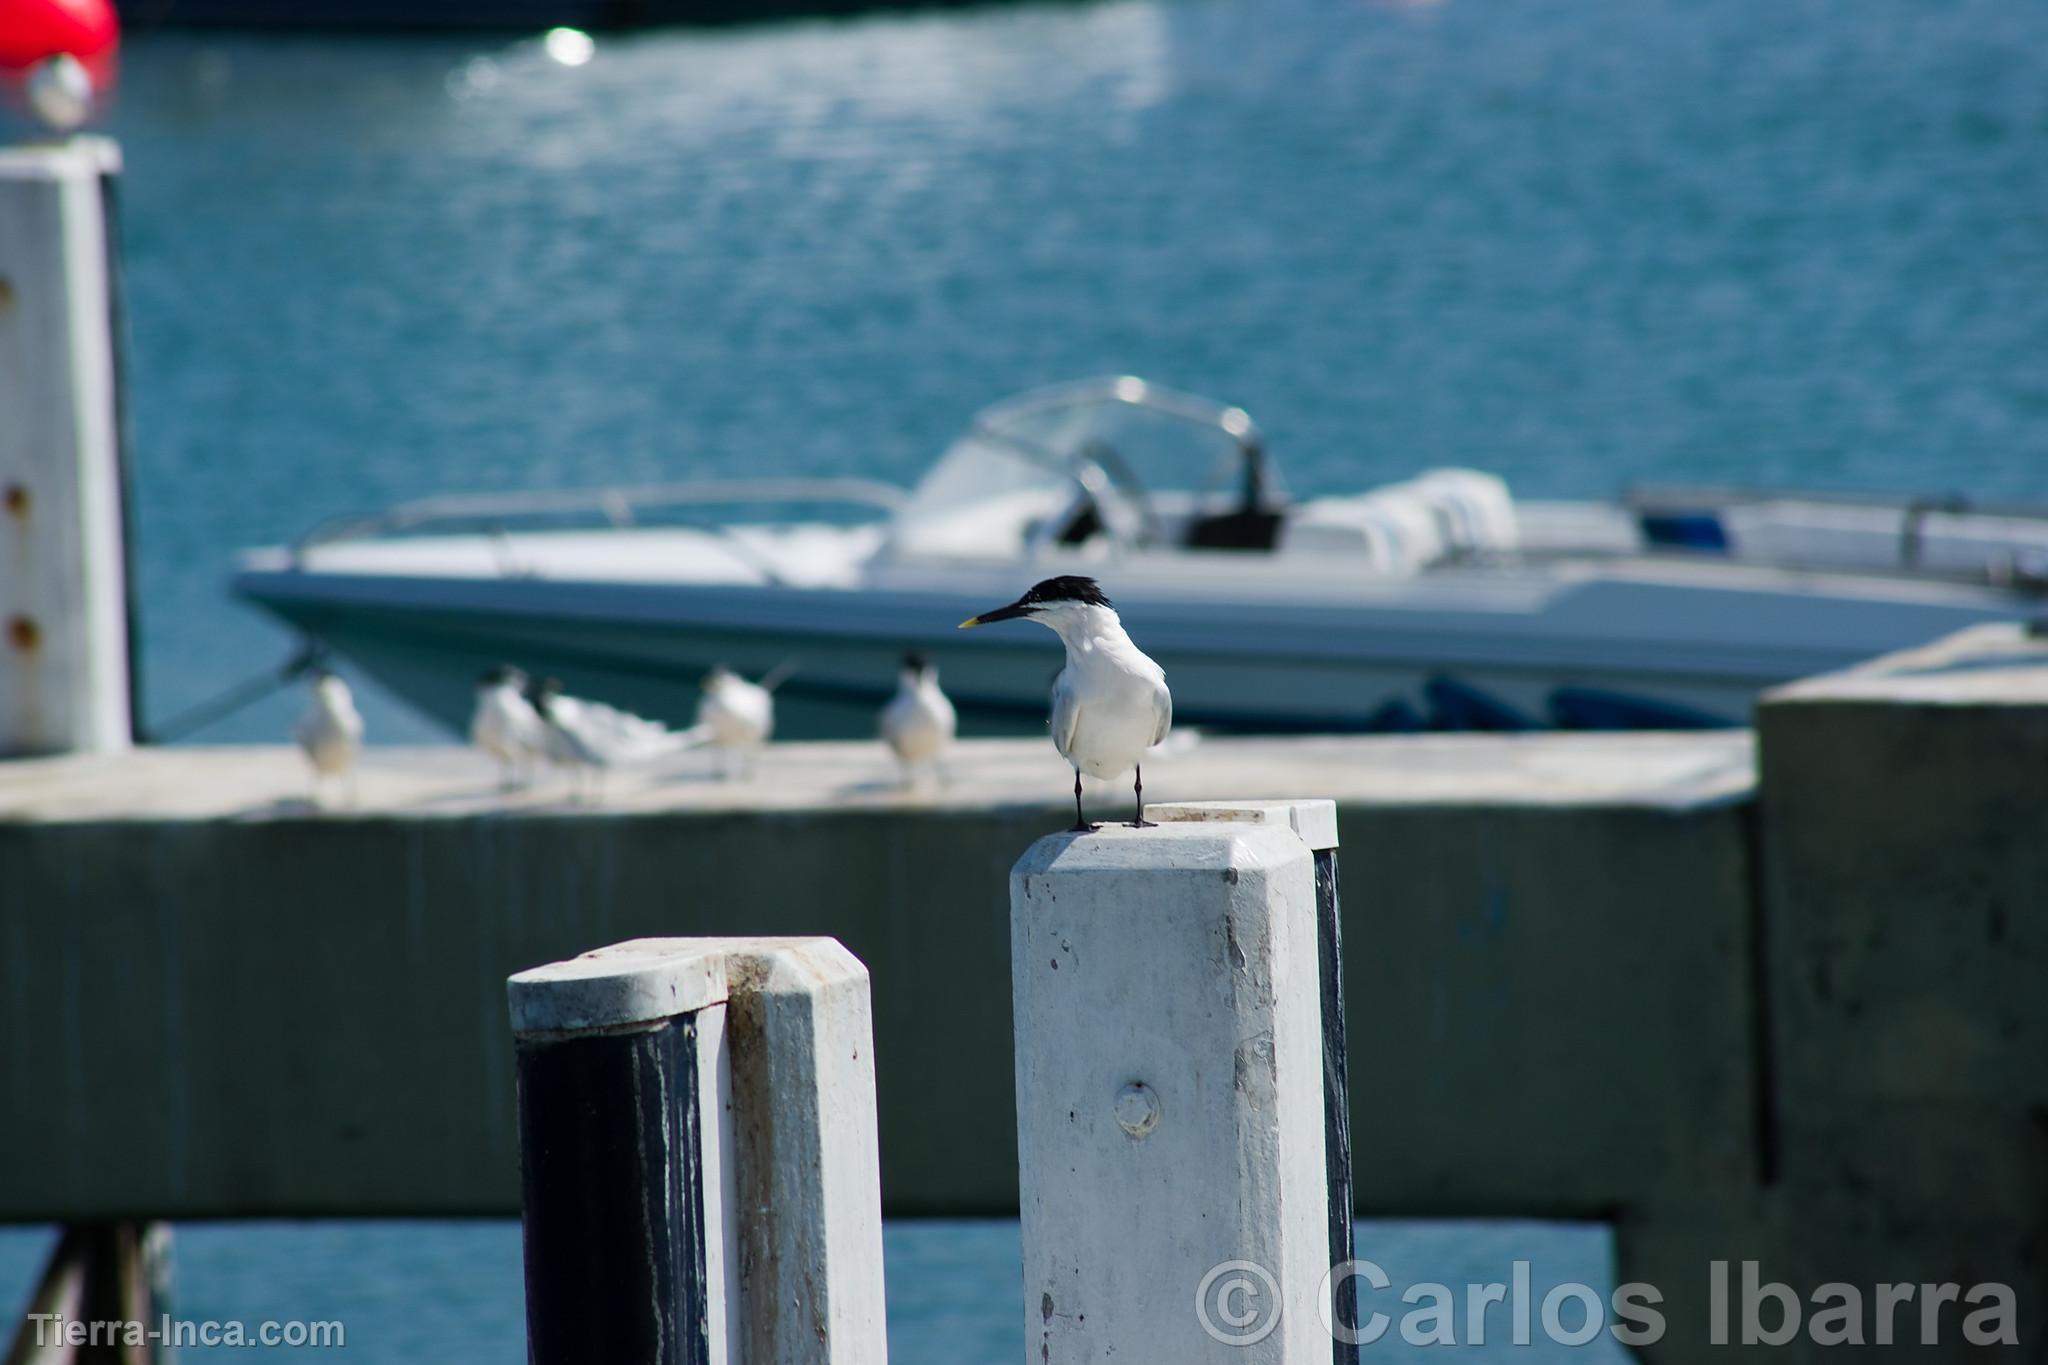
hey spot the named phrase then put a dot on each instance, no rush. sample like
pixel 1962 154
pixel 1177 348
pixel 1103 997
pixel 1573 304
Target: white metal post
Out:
pixel 63 594
pixel 1170 1095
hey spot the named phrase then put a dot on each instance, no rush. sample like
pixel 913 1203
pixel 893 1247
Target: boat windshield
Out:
pixel 1116 457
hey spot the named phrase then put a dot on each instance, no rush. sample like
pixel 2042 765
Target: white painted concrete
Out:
pixel 1169 1093
pixel 1673 770
pixel 1313 818
pixel 808 1160
pixel 63 614
pixel 801 1224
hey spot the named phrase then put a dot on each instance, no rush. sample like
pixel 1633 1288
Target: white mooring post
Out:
pixel 63 592
pixel 1173 1114
pixel 699 1169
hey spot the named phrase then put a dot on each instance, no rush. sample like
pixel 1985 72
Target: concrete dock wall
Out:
pixel 1902 1006
pixel 305 1016
pixel 1906 890
pixel 217 1003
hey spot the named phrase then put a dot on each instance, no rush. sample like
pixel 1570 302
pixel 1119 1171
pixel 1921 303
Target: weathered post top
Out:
pixel 642 981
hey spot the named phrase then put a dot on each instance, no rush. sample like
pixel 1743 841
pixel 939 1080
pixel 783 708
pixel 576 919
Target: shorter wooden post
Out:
pixel 1170 1095
pixel 699 1167
pixel 64 645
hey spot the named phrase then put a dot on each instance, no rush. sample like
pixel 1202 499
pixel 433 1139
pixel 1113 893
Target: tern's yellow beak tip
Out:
pixel 970 621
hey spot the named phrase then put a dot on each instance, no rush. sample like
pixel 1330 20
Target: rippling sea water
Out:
pixel 412 1292
pixel 1795 241
pixel 1578 243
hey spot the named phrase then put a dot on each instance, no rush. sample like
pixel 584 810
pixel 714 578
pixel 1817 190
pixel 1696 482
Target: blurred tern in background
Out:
pixel 1110 703
pixel 588 737
pixel 919 722
pixel 330 730
pixel 737 717
pixel 506 726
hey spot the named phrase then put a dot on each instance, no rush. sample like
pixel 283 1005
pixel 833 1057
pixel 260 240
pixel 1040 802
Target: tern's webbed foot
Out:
pixel 1142 824
pixel 1083 828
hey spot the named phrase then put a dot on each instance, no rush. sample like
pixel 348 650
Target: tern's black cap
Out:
pixel 1066 588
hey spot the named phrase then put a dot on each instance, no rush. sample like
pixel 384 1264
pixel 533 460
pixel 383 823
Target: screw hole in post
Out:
pixel 1137 1109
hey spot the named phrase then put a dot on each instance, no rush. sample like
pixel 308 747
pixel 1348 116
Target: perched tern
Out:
pixel 590 737
pixel 330 730
pixel 1110 703
pixel 506 726
pixel 736 717
pixel 918 722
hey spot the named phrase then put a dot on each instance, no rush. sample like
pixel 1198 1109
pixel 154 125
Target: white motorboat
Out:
pixel 1438 602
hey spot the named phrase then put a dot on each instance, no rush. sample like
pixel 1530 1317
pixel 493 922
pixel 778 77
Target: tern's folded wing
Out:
pixel 1066 714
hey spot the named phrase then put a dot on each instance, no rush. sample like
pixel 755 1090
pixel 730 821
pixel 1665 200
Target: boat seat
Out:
pixel 1390 535
pixel 1083 525
pixel 1473 509
pixel 1405 527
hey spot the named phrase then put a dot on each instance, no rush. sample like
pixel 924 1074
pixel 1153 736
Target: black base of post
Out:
pixel 1336 1104
pixel 611 1172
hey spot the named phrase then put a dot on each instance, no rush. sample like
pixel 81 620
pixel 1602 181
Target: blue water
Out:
pixel 411 1292
pixel 1579 243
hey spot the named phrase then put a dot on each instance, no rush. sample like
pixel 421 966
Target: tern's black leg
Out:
pixel 1138 790
pixel 1081 825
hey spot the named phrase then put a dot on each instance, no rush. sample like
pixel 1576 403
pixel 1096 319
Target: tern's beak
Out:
pixel 989 618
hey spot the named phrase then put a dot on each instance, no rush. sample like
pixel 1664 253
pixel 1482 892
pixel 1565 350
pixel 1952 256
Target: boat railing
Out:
pixel 1913 505
pixel 618 507
pixel 1911 510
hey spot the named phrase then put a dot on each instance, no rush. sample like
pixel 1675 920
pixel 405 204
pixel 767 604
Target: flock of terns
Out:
pixel 1110 707
pixel 530 728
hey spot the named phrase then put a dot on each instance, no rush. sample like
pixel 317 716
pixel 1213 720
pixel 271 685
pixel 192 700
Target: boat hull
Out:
pixel 1486 652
